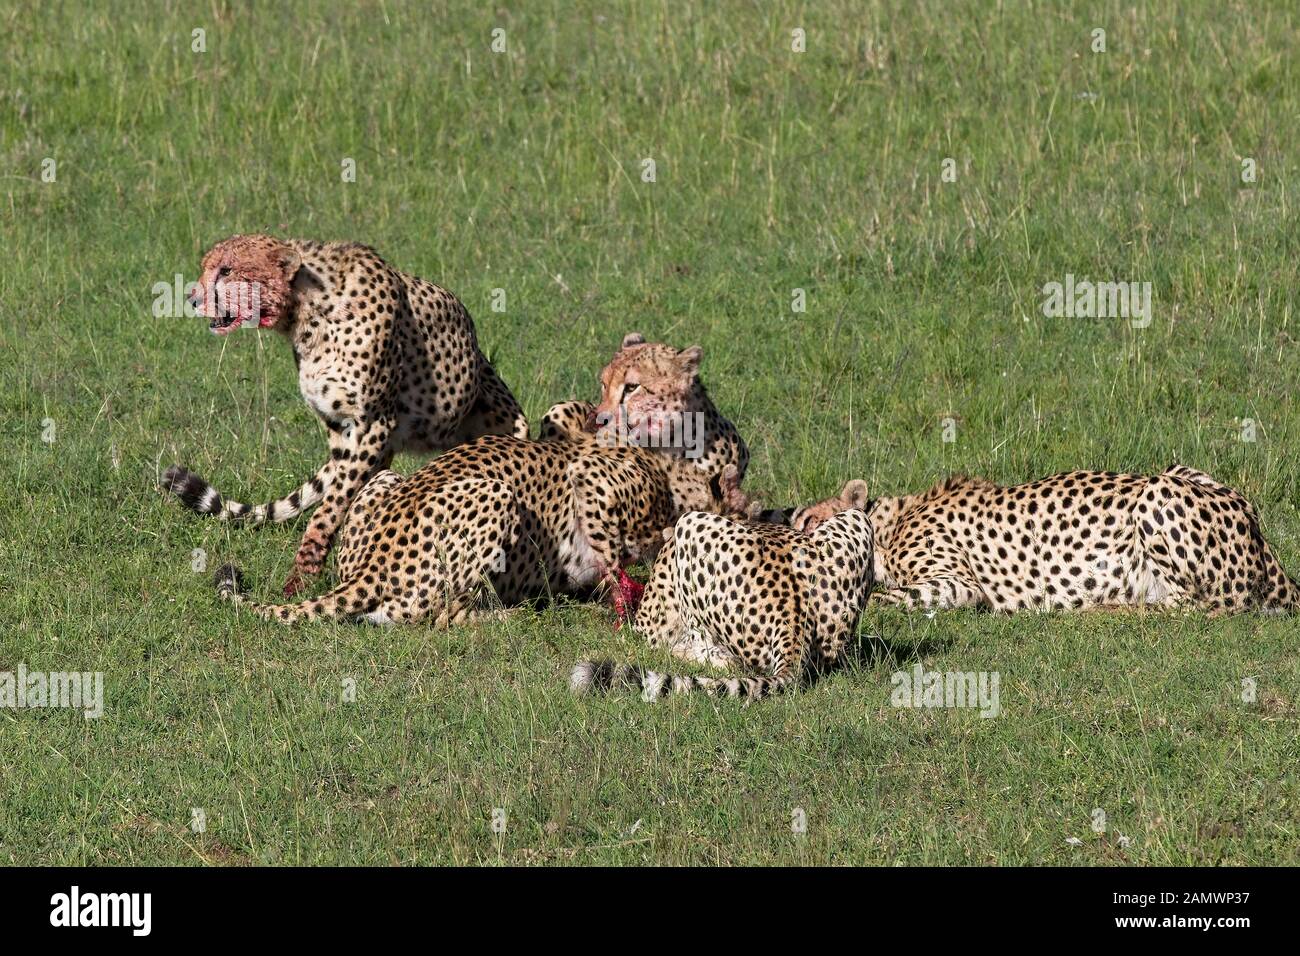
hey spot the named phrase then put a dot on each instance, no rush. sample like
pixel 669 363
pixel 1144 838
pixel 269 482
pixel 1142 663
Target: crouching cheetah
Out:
pixel 741 594
pixel 524 519
pixel 1084 539
pixel 652 396
pixel 387 360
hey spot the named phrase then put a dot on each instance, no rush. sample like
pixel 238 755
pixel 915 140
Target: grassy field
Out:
pixel 775 170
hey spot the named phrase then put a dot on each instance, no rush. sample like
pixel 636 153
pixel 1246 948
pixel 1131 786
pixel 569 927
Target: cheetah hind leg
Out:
pixel 941 593
pixel 470 546
pixel 453 612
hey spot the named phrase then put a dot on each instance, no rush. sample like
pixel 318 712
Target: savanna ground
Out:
pixel 774 171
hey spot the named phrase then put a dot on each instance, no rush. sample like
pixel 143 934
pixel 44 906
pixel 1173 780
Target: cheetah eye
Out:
pixel 223 272
pixel 628 389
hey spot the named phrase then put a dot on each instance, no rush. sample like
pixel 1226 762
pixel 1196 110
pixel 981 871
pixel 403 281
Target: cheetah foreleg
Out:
pixel 356 453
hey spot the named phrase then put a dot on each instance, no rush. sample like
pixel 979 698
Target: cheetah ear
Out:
pixel 633 338
pixel 688 360
pixel 855 493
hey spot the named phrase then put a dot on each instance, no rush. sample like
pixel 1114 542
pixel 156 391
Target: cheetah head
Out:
pixel 245 280
pixel 853 495
pixel 648 386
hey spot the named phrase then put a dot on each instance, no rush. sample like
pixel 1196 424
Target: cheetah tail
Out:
pixel 601 676
pixel 199 496
pixel 347 600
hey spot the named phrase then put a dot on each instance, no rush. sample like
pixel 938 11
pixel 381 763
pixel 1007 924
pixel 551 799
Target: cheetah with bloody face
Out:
pixel 652 396
pixel 387 360
pixel 1079 540
pixel 516 518
pixel 751 596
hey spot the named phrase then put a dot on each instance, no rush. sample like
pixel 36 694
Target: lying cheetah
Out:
pixel 732 593
pixel 387 360
pixel 651 395
pixel 527 519
pixel 1077 540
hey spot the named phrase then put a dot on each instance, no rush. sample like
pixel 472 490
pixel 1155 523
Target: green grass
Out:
pixel 522 171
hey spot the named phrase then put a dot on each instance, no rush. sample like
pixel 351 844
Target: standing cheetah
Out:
pixel 1085 539
pixel 526 518
pixel 387 360
pixel 651 395
pixel 733 593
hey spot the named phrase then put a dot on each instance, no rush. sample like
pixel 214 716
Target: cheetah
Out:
pixel 1083 539
pixel 388 361
pixel 522 518
pixel 651 395
pixel 733 593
